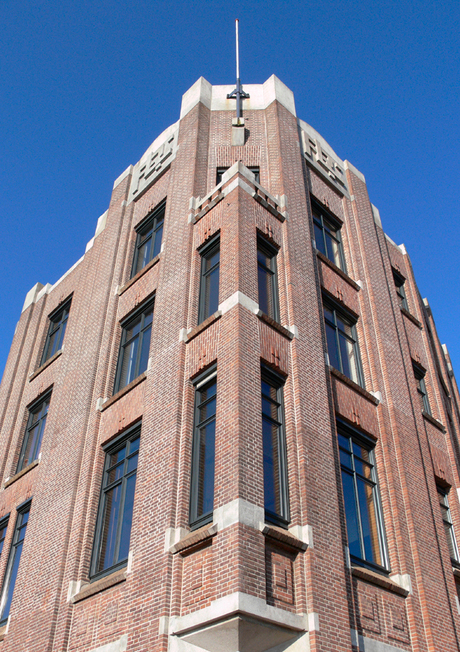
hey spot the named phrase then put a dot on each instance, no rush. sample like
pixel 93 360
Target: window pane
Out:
pixel 128 369
pixel 206 468
pixel 332 348
pixel 109 527
pixel 8 597
pixel 333 250
pixel 319 239
pixel 13 564
pixel 211 293
pixel 351 513
pixel 144 357
pixel 143 256
pixel 271 467
pixel 369 522
pixel 127 519
pixel 158 238
pixel 266 303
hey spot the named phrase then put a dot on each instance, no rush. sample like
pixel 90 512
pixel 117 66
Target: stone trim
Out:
pixel 122 392
pixel 140 273
pixel 437 424
pixel 45 365
pixel 100 585
pixel 337 270
pixel 195 538
pixel 360 390
pixel 274 324
pixel 15 477
pixel 284 536
pixel 411 318
pixel 203 326
pixel 380 580
pixel 365 644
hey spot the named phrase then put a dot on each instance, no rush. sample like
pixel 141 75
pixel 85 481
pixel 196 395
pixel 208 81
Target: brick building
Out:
pixel 230 426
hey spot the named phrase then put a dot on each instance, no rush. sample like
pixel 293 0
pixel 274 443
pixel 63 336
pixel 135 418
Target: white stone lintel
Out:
pixel 360 284
pixel 293 329
pixel 377 395
pixel 100 402
pixel 236 603
pixel 31 296
pixel 120 645
pixel 74 588
pixel 183 335
pixel 403 249
pixel 173 535
pixel 123 175
pixel 403 580
pixel 238 511
pixel 242 299
pixel 303 533
pixel 376 214
pixel 163 625
pixel 313 622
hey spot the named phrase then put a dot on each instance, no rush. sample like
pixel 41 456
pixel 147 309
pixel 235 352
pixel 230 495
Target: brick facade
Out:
pixel 243 581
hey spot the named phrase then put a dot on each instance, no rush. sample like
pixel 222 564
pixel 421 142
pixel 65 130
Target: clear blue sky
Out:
pixel 86 86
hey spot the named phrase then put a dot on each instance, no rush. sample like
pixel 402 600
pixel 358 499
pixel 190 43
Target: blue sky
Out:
pixel 88 85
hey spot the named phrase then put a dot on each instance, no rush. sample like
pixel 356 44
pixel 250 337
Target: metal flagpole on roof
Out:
pixel 237 93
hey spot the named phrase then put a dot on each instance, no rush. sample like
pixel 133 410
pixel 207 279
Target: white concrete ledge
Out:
pixel 238 603
pixel 365 644
pixel 403 580
pixel 238 298
pixel 238 511
pixel 356 172
pixel 121 645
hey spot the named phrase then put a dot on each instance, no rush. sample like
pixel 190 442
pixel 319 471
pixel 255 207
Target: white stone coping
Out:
pixel 403 580
pixel 120 645
pixel 242 603
pixel 215 97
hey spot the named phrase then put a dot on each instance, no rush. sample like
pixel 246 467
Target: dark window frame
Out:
pixel 207 251
pixel 148 229
pixel 354 436
pixel 330 226
pixel 56 330
pixel 448 524
pixel 7 591
pixel 277 382
pixel 142 311
pixel 220 171
pixel 271 251
pixel 351 321
pixel 33 409
pixel 201 383
pixel 124 440
pixel 3 531
pixel 419 375
pixel 399 282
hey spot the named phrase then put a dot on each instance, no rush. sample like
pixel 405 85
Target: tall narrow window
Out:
pixel 34 432
pixel 134 347
pixel 148 241
pixel 327 234
pixel 448 526
pixel 56 332
pixel 3 528
pixel 419 374
pixel 342 344
pixel 14 558
pixel 203 451
pixel 209 282
pixel 113 532
pixel 360 494
pixel 400 291
pixel 267 279
pixel 274 449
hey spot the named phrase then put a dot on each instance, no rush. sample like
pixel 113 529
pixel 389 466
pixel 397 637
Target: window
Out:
pixel 13 562
pixel 327 234
pixel 342 344
pixel 419 374
pixel 34 433
pixel 267 279
pixel 113 531
pixel 56 331
pixel 274 449
pixel 134 347
pixel 221 171
pixel 399 284
pixel 360 494
pixel 3 528
pixel 149 236
pixel 448 527
pixel 203 450
pixel 209 282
